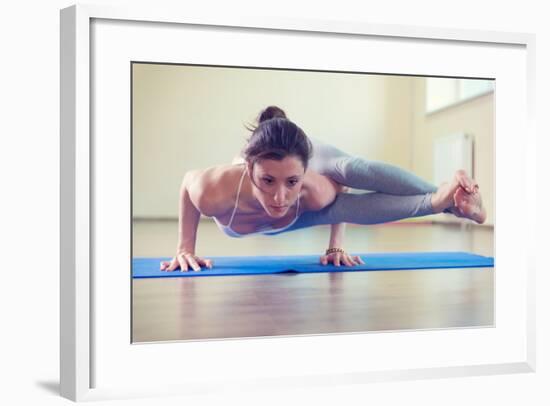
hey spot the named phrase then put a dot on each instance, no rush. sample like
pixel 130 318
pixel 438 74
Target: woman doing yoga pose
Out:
pixel 289 181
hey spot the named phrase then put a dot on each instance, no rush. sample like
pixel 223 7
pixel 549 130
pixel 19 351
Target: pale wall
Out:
pixel 193 117
pixel 188 117
pixel 473 117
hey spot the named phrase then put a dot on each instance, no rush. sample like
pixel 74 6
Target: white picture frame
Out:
pixel 80 352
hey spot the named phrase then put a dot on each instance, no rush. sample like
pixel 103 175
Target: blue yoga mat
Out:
pixel 252 265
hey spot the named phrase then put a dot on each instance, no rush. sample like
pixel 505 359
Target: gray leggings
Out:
pixel 395 193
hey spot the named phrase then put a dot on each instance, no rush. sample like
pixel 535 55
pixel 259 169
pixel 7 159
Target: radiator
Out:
pixel 452 152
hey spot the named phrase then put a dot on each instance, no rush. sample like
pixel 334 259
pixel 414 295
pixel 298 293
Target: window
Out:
pixel 445 92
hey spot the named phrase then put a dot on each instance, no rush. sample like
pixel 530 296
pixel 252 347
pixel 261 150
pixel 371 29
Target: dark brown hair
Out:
pixel 276 137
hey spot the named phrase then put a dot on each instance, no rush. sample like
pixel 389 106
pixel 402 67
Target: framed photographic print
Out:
pixel 158 113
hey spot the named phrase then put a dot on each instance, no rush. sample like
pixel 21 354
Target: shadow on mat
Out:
pixel 289 272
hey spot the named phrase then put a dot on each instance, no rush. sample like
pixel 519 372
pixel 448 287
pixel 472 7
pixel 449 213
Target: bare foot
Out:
pixel 444 198
pixel 468 184
pixel 470 206
pixel 456 211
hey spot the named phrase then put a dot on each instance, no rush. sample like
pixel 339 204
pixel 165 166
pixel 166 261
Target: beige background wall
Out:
pixel 473 117
pixel 187 117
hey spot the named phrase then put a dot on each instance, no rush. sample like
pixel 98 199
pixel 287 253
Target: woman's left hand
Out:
pixel 338 258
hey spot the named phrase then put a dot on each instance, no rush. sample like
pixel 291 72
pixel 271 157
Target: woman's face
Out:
pixel 277 184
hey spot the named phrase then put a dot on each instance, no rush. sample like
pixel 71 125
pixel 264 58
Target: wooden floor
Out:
pixel 166 309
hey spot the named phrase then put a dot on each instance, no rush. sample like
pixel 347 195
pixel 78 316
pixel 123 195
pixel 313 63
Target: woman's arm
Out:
pixel 189 217
pixel 188 222
pixel 337 232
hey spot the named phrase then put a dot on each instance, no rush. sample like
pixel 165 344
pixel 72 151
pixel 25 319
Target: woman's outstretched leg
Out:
pixel 366 174
pixel 360 173
pixel 376 207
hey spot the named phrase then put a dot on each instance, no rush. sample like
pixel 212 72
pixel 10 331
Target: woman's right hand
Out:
pixel 184 261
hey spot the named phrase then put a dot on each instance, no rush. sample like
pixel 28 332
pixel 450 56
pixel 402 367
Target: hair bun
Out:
pixel 271 112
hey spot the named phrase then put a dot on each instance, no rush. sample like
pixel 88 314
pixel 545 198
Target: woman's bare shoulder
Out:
pixel 319 190
pixel 210 189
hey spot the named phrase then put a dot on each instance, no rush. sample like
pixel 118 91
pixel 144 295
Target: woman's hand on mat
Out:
pixel 338 258
pixel 184 261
